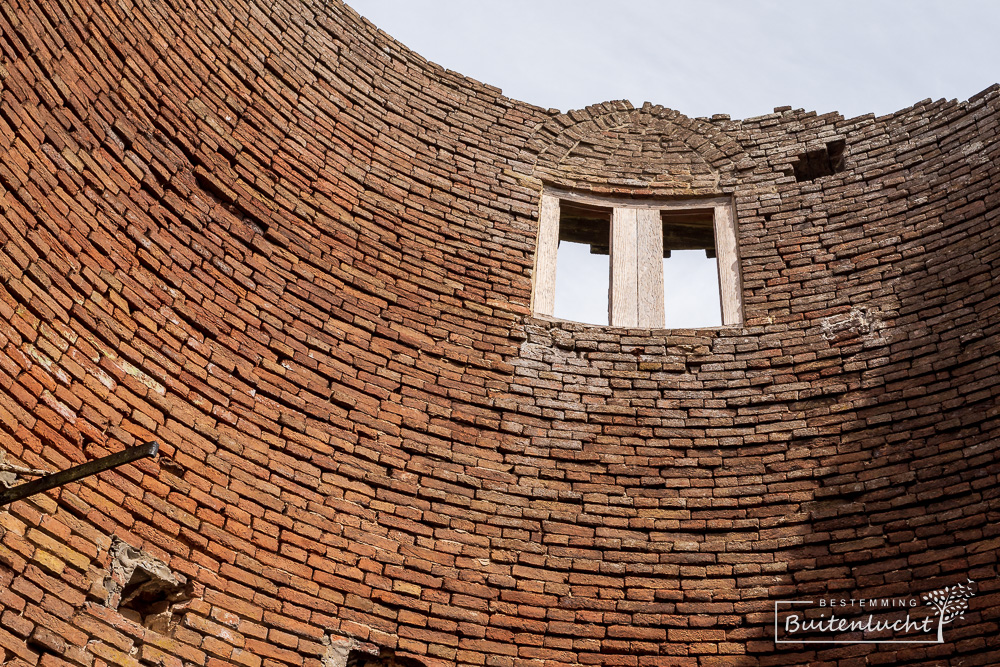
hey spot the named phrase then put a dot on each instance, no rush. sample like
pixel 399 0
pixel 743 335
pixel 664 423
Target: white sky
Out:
pixel 741 58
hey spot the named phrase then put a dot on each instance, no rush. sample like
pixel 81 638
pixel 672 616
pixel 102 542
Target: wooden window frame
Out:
pixel 636 289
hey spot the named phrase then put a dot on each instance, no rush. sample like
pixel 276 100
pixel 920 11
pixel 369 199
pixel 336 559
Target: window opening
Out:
pixel 691 293
pixel 583 263
pixel 647 253
pixel 691 296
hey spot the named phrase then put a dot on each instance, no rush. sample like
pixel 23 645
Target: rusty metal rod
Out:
pixel 75 473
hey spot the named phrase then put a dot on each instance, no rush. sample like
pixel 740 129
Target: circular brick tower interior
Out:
pixel 300 258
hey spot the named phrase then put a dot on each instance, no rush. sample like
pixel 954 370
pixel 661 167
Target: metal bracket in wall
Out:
pixel 75 473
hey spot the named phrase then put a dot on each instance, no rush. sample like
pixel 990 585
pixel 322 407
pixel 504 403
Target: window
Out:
pixel 582 263
pixel 641 238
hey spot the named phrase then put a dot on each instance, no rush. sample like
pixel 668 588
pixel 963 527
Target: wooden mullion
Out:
pixel 649 261
pixel 623 308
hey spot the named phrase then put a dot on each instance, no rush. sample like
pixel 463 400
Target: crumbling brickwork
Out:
pixel 299 257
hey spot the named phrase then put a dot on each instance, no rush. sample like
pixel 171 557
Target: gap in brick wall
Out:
pixel 143 589
pixel 385 658
pixel 150 602
pixel 824 161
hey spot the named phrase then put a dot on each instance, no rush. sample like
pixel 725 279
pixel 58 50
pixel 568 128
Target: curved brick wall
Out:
pixel 299 257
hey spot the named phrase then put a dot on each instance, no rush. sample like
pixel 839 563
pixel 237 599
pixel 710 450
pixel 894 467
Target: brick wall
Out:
pixel 299 257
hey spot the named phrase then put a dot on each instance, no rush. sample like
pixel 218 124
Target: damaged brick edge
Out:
pixel 125 560
pixel 344 651
pixel 11 473
pixel 338 649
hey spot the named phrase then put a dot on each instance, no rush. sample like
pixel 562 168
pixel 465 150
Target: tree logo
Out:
pixel 864 620
pixel 951 603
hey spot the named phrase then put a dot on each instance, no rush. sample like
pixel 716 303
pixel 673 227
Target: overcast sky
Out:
pixel 741 58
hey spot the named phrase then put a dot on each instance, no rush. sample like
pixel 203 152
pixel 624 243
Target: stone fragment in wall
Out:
pixel 545 343
pixel 338 650
pixel 858 322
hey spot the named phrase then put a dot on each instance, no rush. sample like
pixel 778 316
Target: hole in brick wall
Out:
pixel 150 601
pixel 819 162
pixel 385 658
pixel 143 588
pixel 348 652
pixel 836 150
